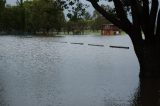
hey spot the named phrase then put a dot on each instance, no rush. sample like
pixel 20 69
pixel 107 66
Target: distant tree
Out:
pixel 29 23
pixel 77 12
pixel 45 15
pixel 68 27
pixel 20 4
pixel 2 7
pixel 76 27
pixel 98 21
pixel 87 16
pixel 59 22
pixel 2 4
pixel 76 19
pixel 32 16
pixel 11 20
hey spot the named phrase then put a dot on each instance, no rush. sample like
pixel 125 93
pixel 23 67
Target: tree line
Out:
pixel 45 16
pixel 31 16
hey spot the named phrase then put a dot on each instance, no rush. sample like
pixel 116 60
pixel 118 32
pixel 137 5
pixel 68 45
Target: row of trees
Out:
pixel 44 16
pixel 31 16
pixel 80 19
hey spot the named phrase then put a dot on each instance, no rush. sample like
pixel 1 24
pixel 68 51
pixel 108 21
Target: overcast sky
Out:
pixel 14 1
pixel 11 1
pixel 90 9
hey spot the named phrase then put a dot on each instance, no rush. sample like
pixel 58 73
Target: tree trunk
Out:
pixel 148 55
pixel 147 93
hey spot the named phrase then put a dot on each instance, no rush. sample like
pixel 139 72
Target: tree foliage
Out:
pixel 78 17
pixel 32 16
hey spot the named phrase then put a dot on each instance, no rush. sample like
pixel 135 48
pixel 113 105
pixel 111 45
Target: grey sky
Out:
pixel 14 1
pixel 11 1
pixel 90 9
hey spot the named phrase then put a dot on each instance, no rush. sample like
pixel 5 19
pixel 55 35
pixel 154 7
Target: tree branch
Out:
pixel 145 17
pixel 136 10
pixel 146 7
pixel 112 18
pixel 121 12
pixel 119 9
pixel 153 16
pixel 158 26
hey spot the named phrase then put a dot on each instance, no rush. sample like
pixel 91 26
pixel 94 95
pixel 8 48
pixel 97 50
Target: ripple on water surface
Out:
pixel 42 72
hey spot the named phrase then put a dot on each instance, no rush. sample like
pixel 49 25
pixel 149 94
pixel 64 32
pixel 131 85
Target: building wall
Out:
pixel 109 30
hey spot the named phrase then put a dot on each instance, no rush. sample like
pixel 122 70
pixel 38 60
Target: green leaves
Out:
pixel 38 15
pixel 71 3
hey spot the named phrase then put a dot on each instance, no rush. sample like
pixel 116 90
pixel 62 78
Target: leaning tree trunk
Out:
pixel 148 55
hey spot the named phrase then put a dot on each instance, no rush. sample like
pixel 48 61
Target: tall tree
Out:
pixel 22 15
pixel 2 7
pixel 31 16
pixel 145 21
pixel 76 18
pixel 11 20
pixel 45 15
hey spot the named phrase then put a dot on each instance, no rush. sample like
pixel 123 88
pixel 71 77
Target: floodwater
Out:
pixel 57 71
